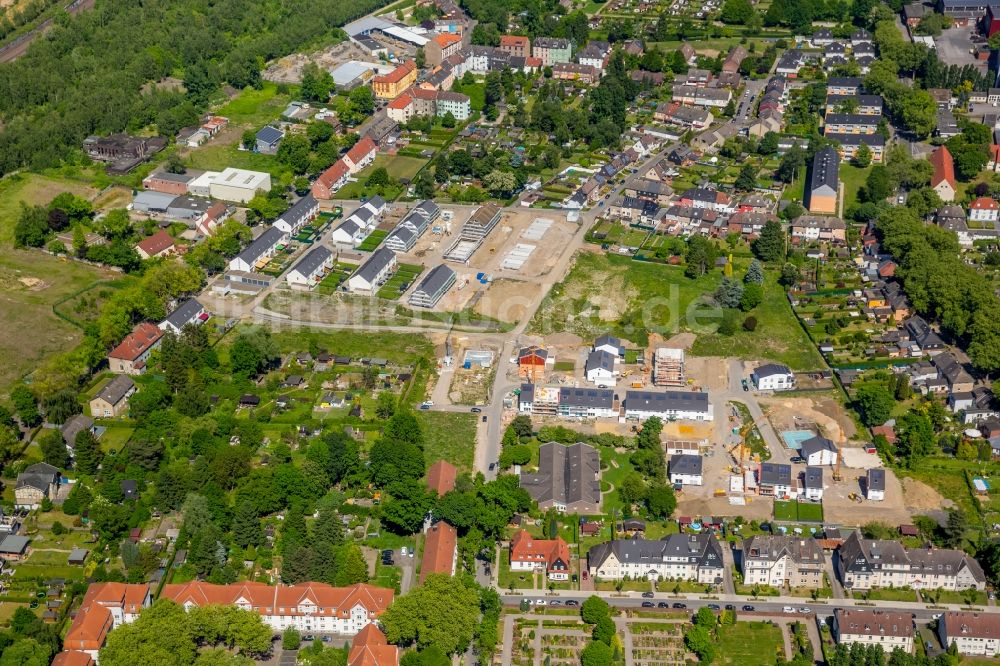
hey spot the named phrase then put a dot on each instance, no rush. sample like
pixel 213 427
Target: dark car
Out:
pixel 713 606
pixel 730 607
pixel 484 418
pixel 647 595
pixel 386 553
pixel 648 604
pixel 663 604
pixel 679 605
pixel 476 410
pixel 748 608
pixel 572 602
pixel 798 460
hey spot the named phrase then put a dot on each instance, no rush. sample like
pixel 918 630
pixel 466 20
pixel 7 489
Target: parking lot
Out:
pixel 954 48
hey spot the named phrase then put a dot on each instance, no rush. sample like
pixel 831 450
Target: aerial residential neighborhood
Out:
pixel 509 333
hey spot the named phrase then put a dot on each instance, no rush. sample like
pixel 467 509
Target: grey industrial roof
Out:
pixel 313 260
pixel 381 258
pixel 184 313
pixel 685 464
pixel 349 72
pixel 299 208
pixel 667 401
pixel 264 242
pixel 148 199
pixel 586 397
pixel 439 276
pixel 116 389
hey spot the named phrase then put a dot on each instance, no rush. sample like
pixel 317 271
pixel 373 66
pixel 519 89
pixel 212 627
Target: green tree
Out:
pixel 755 273
pixel 875 403
pixel 351 566
pixel 594 609
pixel 700 256
pixel 789 275
pixel 914 437
pixel 746 180
pixel 753 295
pixel 661 501
pixel 88 453
pixel 316 83
pixel 863 156
pixel 442 612
pixel 770 245
pixel 291 639
pixel 729 293
pixel 596 654
pixel 53 449
pixel 379 177
pixel 699 640
pixel 247 530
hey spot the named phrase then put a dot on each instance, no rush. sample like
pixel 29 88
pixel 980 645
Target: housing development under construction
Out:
pixel 668 367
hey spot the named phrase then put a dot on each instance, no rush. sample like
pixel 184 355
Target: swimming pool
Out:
pixel 794 438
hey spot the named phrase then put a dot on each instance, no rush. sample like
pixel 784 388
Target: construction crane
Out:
pixel 742 444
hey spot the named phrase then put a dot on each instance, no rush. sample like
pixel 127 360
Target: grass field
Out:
pixel 449 436
pixel 255 107
pixel 798 512
pixel 853 178
pixel 749 644
pixel 374 239
pixel 611 293
pixel 217 155
pixel 397 347
pixel 405 275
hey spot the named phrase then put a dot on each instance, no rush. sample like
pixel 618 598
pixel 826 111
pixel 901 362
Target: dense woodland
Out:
pixel 87 75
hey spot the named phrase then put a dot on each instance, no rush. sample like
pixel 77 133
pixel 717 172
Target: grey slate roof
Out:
pixel 773 474
pixel 600 359
pixel 702 550
pixel 381 258
pixel 299 208
pixel 685 464
pixel 313 260
pixel 566 475
pixel 586 397
pixel 39 476
pixel 825 170
pixel 74 425
pixel 813 477
pixel 609 340
pixel 184 313
pixel 437 278
pixel 667 401
pixel 876 479
pixel 116 389
pixel 772 369
pixel 256 249
pixel 815 445
pixel 527 394
pixel 773 547
pixel 428 209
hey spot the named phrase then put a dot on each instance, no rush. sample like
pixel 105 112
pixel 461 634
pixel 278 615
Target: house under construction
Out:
pixel 668 367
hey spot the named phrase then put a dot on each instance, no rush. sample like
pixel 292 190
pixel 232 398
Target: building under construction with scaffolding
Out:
pixel 668 367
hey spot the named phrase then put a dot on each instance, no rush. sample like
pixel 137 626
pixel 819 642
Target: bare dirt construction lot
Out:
pixel 801 413
pixel 506 300
pixel 839 509
pixel 289 68
pixel 921 498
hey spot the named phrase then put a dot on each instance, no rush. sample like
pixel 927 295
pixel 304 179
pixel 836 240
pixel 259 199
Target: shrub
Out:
pixel 750 323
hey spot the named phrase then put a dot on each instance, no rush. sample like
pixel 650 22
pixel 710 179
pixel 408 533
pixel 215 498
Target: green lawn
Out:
pixel 888 594
pixel 853 178
pixel 116 437
pixel 405 275
pixel 798 512
pixel 397 347
pixel 749 644
pixel 374 239
pixel 449 436
pixel 255 107
pixel 217 155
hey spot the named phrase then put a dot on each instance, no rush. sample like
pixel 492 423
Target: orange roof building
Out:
pixel 395 82
pixel 361 154
pixel 441 477
pixel 104 607
pixel 370 648
pixel 331 180
pixel 549 555
pixel 440 550
pixel 73 658
pixel 943 180
pixel 306 606
pixel 130 356
pixel 516 45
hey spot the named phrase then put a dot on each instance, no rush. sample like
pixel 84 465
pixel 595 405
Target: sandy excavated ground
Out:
pixel 783 410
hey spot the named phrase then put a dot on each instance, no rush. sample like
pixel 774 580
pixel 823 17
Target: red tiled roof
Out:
pixel 439 550
pixel 441 477
pixel 370 648
pixel 425 93
pixel 446 40
pixel 73 658
pixel 532 61
pixel 984 203
pixel 944 167
pixel 336 171
pixel 514 40
pixel 93 621
pixel 329 601
pixel 398 74
pixel 525 548
pixel 159 242
pixel 359 150
pixel 136 343
pixel 401 102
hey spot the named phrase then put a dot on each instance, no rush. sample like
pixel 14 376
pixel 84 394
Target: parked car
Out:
pixel 714 607
pixel 788 609
pixel 805 609
pixel 730 607
pixel 663 604
pixel 476 410
pixel 572 602
pixel 748 608
pixel 678 604
pixel 647 595
pixel 555 602
pixel 539 602
pixel 484 418
pixel 648 604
